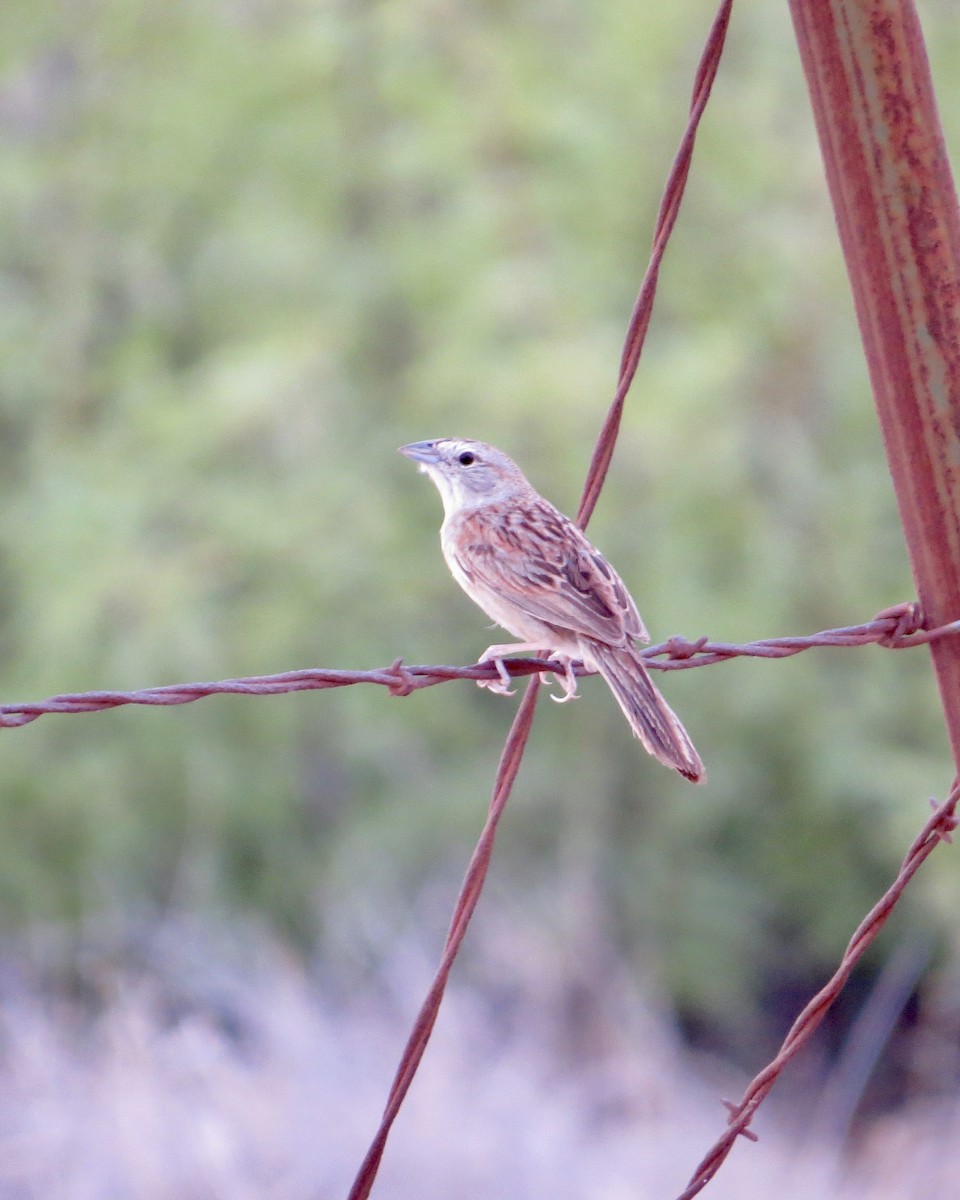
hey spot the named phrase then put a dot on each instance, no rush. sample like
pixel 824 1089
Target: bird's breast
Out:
pixel 462 544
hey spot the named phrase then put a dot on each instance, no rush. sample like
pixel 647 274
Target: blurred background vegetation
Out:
pixel 248 248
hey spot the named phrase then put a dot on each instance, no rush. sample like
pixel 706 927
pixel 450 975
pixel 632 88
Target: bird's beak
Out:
pixel 421 452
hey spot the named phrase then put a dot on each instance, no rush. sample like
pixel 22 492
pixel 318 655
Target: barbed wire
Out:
pixel 896 628
pixel 938 829
pixel 467 900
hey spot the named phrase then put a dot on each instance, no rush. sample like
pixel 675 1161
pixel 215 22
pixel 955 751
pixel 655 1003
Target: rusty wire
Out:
pixel 895 628
pixel 466 903
pixel 643 306
pixel 938 828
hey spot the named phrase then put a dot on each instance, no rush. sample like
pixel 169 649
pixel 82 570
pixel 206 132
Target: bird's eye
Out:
pixel 466 459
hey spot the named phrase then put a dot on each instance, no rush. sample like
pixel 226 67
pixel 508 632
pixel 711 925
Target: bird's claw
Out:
pixel 566 679
pixel 501 686
pixel 495 686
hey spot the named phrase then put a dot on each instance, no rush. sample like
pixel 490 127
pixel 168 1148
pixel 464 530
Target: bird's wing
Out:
pixel 534 557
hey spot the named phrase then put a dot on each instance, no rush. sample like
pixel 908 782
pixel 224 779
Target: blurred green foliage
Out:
pixel 251 246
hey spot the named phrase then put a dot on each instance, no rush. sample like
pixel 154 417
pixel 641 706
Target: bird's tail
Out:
pixel 652 720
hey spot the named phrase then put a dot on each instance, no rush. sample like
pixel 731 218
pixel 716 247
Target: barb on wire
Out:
pixel 942 822
pixel 896 628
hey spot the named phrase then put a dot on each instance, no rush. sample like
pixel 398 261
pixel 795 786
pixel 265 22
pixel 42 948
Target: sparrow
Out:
pixel 534 573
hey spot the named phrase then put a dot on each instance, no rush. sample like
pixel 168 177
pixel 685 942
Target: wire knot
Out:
pixel 680 647
pixel 404 680
pixel 904 619
pixel 735 1112
pixel 946 823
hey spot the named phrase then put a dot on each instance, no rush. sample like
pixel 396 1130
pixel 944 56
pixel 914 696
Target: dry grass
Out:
pixel 222 1068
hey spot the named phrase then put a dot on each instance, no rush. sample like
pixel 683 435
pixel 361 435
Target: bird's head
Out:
pixel 466 473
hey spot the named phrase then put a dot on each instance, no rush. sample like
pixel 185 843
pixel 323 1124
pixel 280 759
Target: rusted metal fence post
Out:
pixel 896 209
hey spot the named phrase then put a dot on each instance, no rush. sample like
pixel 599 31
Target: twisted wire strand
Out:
pixel 896 628
pixel 942 823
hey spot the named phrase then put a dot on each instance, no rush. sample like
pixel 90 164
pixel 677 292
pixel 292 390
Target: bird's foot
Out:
pixel 567 680
pixel 501 686
pixel 494 654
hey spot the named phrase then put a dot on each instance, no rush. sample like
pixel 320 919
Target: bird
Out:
pixel 532 570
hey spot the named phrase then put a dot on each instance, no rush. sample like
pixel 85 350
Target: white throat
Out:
pixel 452 492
